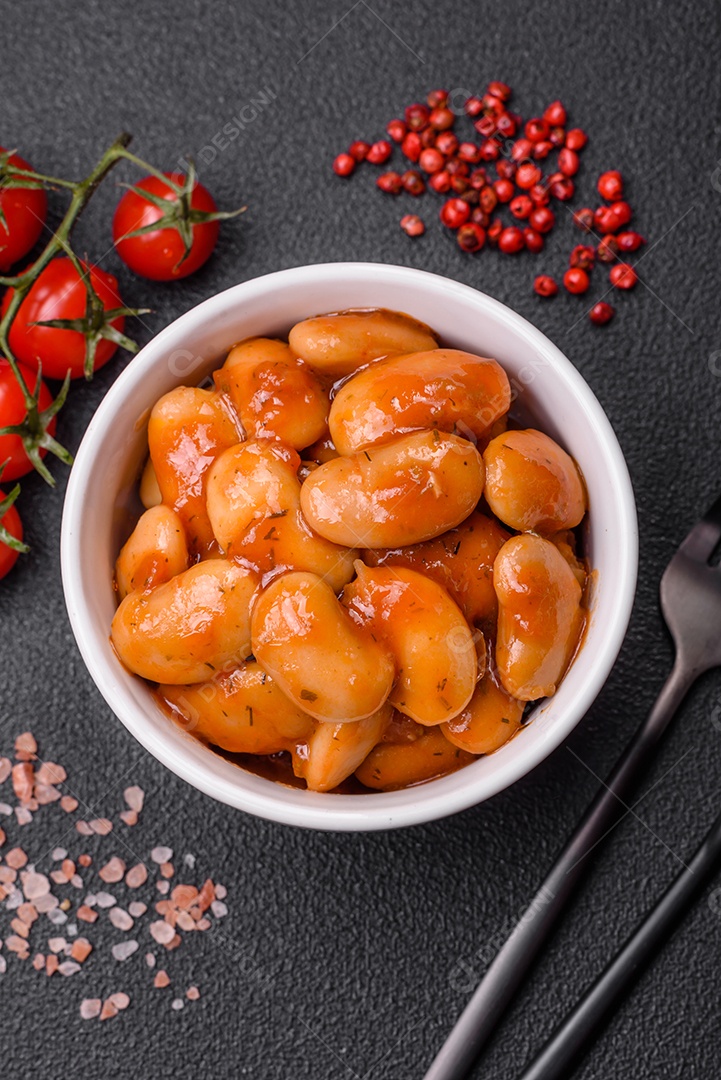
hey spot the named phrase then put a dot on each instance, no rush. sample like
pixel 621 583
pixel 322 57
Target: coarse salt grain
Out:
pixel 5 769
pixel 57 917
pixel 136 876
pixel 134 797
pixel 137 908
pixel 25 746
pixel 150 959
pixel 177 1004
pixel 101 826
pixel 161 980
pixel 105 899
pixel 81 949
pixel 108 1010
pixel 50 773
pixel 161 855
pixel 46 903
pixel 113 871
pixel 221 892
pixel 16 858
pixel 58 854
pixel 124 950
pixel 23 815
pixel 68 967
pixel 189 860
pixel 87 914
pixel 3 965
pixel 34 885
pixel 69 803
pixel 5 809
pixel 90 1008
pixel 130 817
pixel 56 944
pixel 192 993
pixel 119 999
pixel 84 828
pixel 23 779
pixel 120 919
pixel 163 887
pixel 219 909
pixel 162 932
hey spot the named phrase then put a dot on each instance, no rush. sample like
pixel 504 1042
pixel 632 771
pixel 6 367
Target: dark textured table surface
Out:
pixel 340 955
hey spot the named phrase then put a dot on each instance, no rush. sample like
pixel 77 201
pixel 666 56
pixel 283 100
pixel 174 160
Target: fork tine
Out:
pixel 705 535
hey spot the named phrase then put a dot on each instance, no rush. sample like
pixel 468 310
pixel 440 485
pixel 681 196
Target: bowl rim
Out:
pixel 375 810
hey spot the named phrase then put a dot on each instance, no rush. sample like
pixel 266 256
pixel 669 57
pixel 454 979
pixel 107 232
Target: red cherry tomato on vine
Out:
pixel 60 293
pixel 12 411
pixel 158 254
pixel 11 521
pixel 24 211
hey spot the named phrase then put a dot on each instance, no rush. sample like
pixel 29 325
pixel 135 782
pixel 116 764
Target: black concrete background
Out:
pixel 360 936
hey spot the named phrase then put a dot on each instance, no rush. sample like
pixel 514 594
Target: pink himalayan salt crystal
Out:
pixel 161 980
pixel 23 815
pixel 163 887
pixel 69 803
pixel 130 817
pixel 50 773
pixel 16 858
pixel 5 769
pixel 120 919
pixel 192 993
pixel 68 967
pixel 161 855
pixel 108 1010
pixel 34 885
pixel 25 746
pixel 39 961
pixel 134 797
pixel 102 899
pixel 178 1004
pixel 45 904
pixel 150 959
pixel 137 908
pixel 46 794
pixel 124 950
pixel 56 944
pixel 162 932
pixel 119 999
pixel 84 828
pixel 101 826
pixel 23 780
pixel 136 876
pixel 90 1008
pixel 114 870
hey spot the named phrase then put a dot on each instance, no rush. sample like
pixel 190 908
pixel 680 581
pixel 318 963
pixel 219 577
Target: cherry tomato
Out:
pixel 158 254
pixel 12 411
pixel 60 293
pixel 24 211
pixel 11 521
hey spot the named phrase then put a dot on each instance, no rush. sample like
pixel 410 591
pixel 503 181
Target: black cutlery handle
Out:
pixel 481 1016
pixel 564 1046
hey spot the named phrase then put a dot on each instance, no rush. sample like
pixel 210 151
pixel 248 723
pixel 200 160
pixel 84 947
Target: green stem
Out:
pixel 82 192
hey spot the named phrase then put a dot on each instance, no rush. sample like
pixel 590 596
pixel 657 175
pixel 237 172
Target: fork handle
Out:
pixel 482 1014
pixel 558 1055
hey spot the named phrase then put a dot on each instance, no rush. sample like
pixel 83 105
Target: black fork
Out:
pixel 691 605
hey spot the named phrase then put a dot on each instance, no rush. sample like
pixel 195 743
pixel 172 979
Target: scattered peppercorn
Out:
pixel 545 285
pixel 449 165
pixel 601 313
pixel 576 281
pixel 623 276
pixel 412 225
pixel 610 185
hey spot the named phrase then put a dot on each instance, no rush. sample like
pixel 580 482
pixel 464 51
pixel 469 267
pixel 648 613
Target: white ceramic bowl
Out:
pixel 547 386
